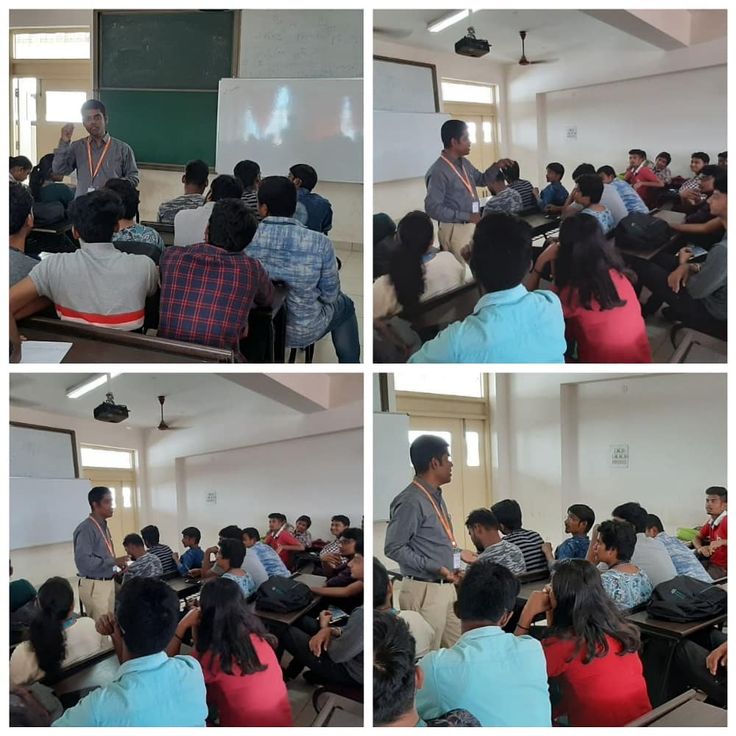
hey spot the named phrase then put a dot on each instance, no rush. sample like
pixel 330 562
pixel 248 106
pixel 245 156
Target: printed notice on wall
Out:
pixel 619 456
pixel 571 132
pixel 211 497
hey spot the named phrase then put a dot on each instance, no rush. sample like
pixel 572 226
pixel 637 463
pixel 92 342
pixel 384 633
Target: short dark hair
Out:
pixel 665 156
pixel 584 513
pixel 278 516
pixel 638 152
pixel 394 668
pixel 150 535
pixel 93 105
pixel 424 449
pixel 359 546
pixel 96 495
pixel 232 225
pixel 701 155
pixel 225 187
pixel 341 518
pixel 711 170
pixel 251 532
pixel 380 583
pixel 231 532
pixel 95 215
pixel 246 172
pixel 501 251
pixel 129 196
pixel 723 154
pixel 487 592
pixel 355 533
pixel 21 205
pixel 192 532
pixel 590 185
pixel 306 173
pixel 512 172
pixel 279 195
pixel 233 551
pixel 508 513
pixel 21 162
pixel 582 169
pixel 133 539
pixel 452 129
pixel 607 170
pixel 482 517
pixel 634 513
pixel 717 491
pixel 654 522
pixel 197 172
pixel 558 168
pixel 304 517
pixel 147 612
pixel 721 184
pixel 618 535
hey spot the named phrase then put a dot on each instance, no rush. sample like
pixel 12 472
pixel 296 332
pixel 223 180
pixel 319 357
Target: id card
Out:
pixel 90 189
pixel 476 207
pixel 456 561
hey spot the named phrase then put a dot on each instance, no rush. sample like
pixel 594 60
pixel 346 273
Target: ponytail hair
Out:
pixel 40 174
pixel 415 234
pixel 55 600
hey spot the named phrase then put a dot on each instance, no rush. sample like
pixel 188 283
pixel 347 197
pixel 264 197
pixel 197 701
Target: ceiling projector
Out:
pixel 471 46
pixel 109 411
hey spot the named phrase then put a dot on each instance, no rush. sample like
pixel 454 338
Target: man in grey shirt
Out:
pixel 420 538
pixel 95 557
pixel 21 224
pixel 97 158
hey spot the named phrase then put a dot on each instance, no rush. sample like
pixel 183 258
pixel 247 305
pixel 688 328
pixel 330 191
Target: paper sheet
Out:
pixel 42 351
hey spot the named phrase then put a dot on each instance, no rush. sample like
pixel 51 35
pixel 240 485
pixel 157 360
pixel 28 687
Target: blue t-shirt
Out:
pixel 604 217
pixel 629 196
pixel 319 210
pixel 575 548
pixel 190 560
pixel 245 583
pixel 554 193
pixel 272 563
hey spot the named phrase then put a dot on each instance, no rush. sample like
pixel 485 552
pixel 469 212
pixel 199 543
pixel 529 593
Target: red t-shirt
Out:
pixel 608 691
pixel 258 699
pixel 616 335
pixel 648 194
pixel 720 556
pixel 282 537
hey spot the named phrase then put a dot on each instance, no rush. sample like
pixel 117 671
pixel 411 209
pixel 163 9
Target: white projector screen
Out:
pixel 282 122
pixel 42 452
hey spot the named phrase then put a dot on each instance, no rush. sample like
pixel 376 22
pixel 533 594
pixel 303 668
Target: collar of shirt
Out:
pixel 276 535
pixel 432 489
pixel 713 523
pixel 105 139
pixel 99 248
pixel 456 162
pixel 141 664
pixel 272 220
pixel 496 298
pixel 484 632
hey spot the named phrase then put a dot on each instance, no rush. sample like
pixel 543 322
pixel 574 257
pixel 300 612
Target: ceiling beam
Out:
pixel 665 29
pixel 307 393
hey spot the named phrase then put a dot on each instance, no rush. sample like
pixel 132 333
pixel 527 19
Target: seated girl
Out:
pixel 46 186
pixel 230 558
pixel 587 193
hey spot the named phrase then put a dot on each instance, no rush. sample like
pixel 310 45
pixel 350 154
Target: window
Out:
pixel 51 45
pixel 106 457
pixel 472 442
pixel 127 501
pixel 480 94
pixel 446 383
pixel 487 132
pixel 472 135
pixel 64 107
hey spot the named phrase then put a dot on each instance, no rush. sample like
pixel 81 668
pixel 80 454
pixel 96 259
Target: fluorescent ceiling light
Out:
pixel 89 385
pixel 447 20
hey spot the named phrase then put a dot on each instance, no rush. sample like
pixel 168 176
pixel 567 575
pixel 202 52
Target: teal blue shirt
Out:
pixel 510 326
pixel 156 690
pixel 500 678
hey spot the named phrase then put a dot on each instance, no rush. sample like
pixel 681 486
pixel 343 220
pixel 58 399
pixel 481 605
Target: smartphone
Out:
pixel 336 614
pixel 697 252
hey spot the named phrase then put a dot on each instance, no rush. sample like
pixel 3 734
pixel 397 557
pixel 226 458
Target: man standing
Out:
pixel 96 158
pixel 420 538
pixel 451 181
pixel 95 557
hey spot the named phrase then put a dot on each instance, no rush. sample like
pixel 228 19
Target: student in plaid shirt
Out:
pixel 690 191
pixel 305 260
pixel 207 290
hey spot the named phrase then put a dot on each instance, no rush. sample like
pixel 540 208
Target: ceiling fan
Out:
pixel 524 61
pixel 162 424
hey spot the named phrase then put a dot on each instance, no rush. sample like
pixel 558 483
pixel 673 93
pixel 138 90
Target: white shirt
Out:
pixel 652 556
pixel 189 225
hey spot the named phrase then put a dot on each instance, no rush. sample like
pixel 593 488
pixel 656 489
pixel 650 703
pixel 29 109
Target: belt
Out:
pixel 86 577
pixel 436 581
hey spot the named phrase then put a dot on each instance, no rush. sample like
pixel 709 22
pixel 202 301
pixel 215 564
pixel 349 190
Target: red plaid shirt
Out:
pixel 207 293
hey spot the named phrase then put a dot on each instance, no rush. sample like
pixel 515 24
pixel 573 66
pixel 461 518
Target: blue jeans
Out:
pixel 344 329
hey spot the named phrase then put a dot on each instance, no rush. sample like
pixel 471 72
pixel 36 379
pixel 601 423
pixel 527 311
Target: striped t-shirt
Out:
pixel 97 285
pixel 166 558
pixel 250 197
pixel 528 200
pixel 629 196
pixel 530 544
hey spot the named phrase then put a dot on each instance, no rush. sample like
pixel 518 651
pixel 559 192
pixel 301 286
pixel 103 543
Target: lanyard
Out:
pixel 105 537
pixel 440 515
pixel 97 168
pixel 464 178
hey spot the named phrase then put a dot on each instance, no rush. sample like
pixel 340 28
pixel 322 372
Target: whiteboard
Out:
pixel 391 466
pixel 42 453
pixel 282 122
pixel 405 144
pixel 403 87
pixel 46 510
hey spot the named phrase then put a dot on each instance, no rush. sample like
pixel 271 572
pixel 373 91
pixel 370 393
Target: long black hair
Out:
pixel 40 174
pixel 226 626
pixel 55 600
pixel 586 613
pixel 584 262
pixel 415 235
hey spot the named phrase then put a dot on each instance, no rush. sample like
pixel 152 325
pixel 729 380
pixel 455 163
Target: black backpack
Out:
pixel 282 595
pixel 685 599
pixel 641 231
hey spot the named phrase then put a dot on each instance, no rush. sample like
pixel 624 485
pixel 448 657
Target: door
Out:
pixel 25 92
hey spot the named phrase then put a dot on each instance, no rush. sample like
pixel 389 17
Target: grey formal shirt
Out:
pixel 448 199
pixel 415 537
pixel 710 283
pixel 347 649
pixel 91 554
pixel 119 163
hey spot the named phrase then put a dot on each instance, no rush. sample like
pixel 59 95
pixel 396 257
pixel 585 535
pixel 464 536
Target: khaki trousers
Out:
pixel 97 596
pixel 454 236
pixel 434 601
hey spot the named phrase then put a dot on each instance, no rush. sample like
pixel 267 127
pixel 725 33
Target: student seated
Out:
pixel 630 197
pixel 602 313
pixel 416 271
pixel 207 290
pixel 498 677
pixel 483 529
pixel 522 186
pixel 164 553
pixel 96 285
pixel 578 522
pixel 587 193
pixel 190 225
pixel 396 678
pixel 57 638
pixel 642 178
pixel 700 662
pixel 22 595
pixel 230 559
pixel 143 564
pixel 46 186
pixel 508 515
pixel 252 565
pixel 610 198
pixel 21 224
pixel 552 198
pixel 150 688
pixel 723 159
pixel 343 588
pixel 592 651
pixel 505 198
pixel 244 682
pixel 192 558
pixel 384 243
pixel 335 653
pixel 195 180
pixel 683 558
pixel 281 539
pixel 248 173
pixel 613 545
pixel 128 228
pixel 383 601
pixel 701 227
pixel 690 192
pixel 662 167
pixel 269 558
pixel 306 261
pixel 20 168
pixel 509 324
pixel 319 209
pixel 329 556
pixel 712 539
pixel 301 531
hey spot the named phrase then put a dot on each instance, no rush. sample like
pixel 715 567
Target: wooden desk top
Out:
pixel 183 587
pixel 528 588
pixel 291 617
pixel 693 713
pixel 672 629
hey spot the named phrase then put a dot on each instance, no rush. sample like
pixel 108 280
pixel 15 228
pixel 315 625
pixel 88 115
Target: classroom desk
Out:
pixel 670 218
pixel 541 224
pixel 528 588
pixel 682 711
pixel 57 228
pixel 289 618
pixel 101 673
pixel 183 587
